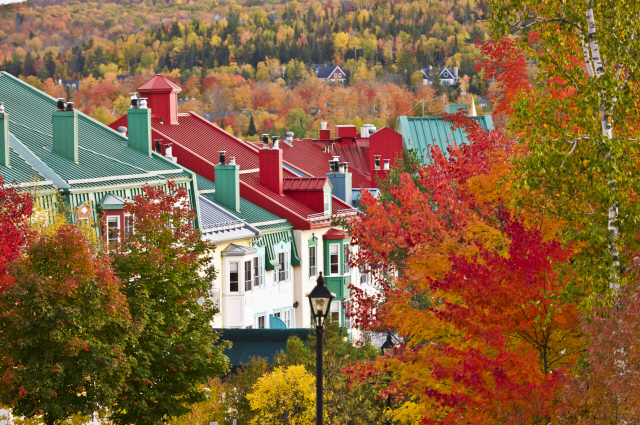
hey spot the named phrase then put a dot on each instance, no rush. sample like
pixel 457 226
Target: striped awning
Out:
pixel 268 240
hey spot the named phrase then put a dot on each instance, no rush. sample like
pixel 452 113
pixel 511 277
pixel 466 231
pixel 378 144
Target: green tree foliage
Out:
pixel 252 127
pixel 167 273
pixel 64 327
pixel 578 122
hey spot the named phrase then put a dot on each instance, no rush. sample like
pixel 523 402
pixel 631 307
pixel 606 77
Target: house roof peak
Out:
pixel 159 84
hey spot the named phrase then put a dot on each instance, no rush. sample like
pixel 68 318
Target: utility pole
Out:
pixel 423 107
pixel 443 100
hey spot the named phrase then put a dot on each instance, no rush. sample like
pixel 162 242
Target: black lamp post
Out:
pixel 320 299
pixel 387 349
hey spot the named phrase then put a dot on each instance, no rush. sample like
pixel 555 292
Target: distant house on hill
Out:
pixel 74 84
pixel 274 17
pixel 483 103
pixel 330 72
pixel 448 76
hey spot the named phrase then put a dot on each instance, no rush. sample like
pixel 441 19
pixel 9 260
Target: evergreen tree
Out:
pixel 252 127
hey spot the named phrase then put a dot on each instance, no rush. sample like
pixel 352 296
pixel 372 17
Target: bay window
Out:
pixel 233 277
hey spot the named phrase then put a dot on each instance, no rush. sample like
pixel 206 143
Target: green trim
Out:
pixel 269 240
pixel 5 156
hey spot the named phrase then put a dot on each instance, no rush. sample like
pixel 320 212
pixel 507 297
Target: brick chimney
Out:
pixel 271 165
pixel 162 98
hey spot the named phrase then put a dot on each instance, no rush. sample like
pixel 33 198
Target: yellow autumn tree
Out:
pixel 285 396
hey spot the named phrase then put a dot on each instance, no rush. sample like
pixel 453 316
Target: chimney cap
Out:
pixel 69 106
pixel 1 108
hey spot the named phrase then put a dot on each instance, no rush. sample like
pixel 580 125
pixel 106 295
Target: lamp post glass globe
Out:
pixel 388 346
pixel 320 300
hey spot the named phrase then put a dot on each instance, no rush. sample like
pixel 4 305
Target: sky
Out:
pixel 10 1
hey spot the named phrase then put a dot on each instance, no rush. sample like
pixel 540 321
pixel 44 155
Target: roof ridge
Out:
pixel 36 163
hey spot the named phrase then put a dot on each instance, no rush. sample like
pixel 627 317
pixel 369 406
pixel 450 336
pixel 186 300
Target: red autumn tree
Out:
pixel 16 207
pixel 476 300
pixel 63 326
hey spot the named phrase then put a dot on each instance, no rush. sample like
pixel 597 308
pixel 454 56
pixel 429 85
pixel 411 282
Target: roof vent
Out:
pixel 158 145
pixel 288 138
pixel 275 142
pixel 222 156
pixel 161 120
pixel 122 130
pixel 344 167
pixel 232 160
pixel 333 165
pixel 60 104
pixel 143 103
pixel 376 159
pixel 1 108
pixel 134 100
pixel 265 141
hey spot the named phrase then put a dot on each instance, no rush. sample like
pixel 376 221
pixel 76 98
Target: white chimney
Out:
pixel 455 71
pixel 167 153
pixel 323 125
pixel 364 132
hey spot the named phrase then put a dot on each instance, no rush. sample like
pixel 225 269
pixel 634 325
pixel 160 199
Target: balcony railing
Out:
pixel 322 217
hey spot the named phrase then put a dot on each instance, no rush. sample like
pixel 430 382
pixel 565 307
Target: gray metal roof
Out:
pixel 219 225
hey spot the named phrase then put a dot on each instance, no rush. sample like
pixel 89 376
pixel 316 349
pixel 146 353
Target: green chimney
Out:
pixel 140 129
pixel 4 138
pixel 65 134
pixel 228 185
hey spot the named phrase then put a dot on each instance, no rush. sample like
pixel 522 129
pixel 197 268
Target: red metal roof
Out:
pixel 305 183
pixel 308 156
pixel 159 84
pixel 335 234
pixel 205 139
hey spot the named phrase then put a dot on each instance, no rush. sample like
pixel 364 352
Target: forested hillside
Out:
pixel 262 43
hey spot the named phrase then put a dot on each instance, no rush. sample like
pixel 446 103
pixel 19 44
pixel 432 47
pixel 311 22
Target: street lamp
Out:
pixel 387 349
pixel 320 299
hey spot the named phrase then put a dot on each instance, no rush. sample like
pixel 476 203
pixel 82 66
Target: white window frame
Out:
pixel 346 253
pixel 258 273
pixel 111 219
pixel 264 321
pixel 313 261
pixel 248 281
pixel 283 274
pixel 335 308
pixel 331 263
pixel 128 224
pixel 327 204
pixel 286 318
pixel 237 267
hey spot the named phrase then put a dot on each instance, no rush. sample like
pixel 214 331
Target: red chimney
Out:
pixel 271 165
pixel 162 97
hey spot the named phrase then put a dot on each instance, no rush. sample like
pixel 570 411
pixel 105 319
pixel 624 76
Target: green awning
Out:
pixel 247 343
pixel 268 240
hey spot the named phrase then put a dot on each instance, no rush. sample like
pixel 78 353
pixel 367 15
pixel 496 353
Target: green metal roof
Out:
pixel 248 343
pixel 103 153
pixel 21 172
pixel 420 132
pixel 251 213
pixel 205 185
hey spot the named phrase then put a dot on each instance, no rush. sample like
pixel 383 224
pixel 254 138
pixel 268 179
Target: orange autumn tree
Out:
pixel 476 301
